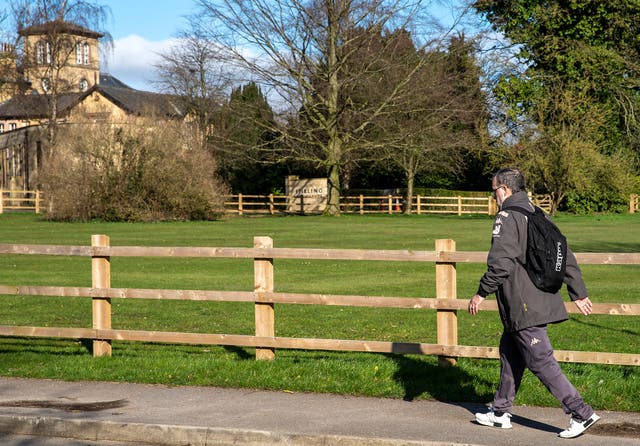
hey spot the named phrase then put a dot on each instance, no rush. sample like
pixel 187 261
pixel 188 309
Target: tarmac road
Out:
pixel 103 412
pixel 32 440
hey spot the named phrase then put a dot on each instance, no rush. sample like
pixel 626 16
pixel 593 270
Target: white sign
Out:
pixel 307 195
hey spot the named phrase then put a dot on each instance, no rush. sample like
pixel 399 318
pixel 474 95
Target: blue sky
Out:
pixel 143 28
pixel 140 30
pixel 155 20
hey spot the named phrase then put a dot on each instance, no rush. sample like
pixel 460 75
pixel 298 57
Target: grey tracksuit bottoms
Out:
pixel 532 349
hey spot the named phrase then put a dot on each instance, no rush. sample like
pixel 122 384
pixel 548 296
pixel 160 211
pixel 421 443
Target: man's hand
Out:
pixel 584 305
pixel 474 304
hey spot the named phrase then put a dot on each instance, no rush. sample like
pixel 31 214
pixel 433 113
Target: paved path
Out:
pixel 206 416
pixel 32 440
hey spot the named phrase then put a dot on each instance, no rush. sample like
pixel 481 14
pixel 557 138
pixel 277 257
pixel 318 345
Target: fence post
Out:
pixel 459 205
pixel 492 206
pixel 271 204
pixel 633 204
pixel 418 205
pixel 1 201
pixel 37 202
pixel 239 204
pixel 101 278
pixel 390 204
pixel 447 320
pixel 264 312
pixel 361 204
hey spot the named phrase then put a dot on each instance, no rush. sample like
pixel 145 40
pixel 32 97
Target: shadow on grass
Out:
pixel 418 376
pixel 604 327
pixel 604 247
pixel 240 352
pixel 22 345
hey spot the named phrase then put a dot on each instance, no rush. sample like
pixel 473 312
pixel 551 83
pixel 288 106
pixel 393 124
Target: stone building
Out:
pixel 58 79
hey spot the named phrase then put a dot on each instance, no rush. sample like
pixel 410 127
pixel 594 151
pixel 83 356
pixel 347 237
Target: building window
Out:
pixel 82 53
pixel 78 54
pixel 43 53
pixel 46 84
pixel 85 47
pixel 13 126
pixel 1 127
pixel 40 52
pixel 84 85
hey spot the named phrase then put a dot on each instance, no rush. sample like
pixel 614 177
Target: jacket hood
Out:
pixel 520 199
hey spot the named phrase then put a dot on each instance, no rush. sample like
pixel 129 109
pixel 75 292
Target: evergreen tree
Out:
pixel 245 143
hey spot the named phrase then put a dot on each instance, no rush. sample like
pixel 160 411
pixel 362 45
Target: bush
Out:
pixel 596 200
pixel 144 172
pixel 607 191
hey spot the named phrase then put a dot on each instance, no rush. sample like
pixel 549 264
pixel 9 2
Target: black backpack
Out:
pixel 546 250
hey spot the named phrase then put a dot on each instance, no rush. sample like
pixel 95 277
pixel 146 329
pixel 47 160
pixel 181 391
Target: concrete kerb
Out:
pixel 208 416
pixel 172 435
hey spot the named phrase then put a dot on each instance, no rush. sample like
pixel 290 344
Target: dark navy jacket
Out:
pixel 520 302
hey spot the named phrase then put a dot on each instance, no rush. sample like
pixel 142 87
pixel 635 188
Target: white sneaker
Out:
pixel 490 419
pixel 578 427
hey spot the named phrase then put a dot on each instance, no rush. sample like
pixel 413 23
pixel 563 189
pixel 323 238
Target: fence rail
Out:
pixel 241 204
pixel 371 204
pixel 361 204
pixel 20 200
pixel 265 298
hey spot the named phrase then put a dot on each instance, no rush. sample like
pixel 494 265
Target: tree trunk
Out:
pixel 408 196
pixel 334 143
pixel 555 202
pixel 53 121
pixel 333 201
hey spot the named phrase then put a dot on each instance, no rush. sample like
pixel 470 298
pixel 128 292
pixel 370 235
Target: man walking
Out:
pixel 525 311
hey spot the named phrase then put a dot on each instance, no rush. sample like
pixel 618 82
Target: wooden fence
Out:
pixel 265 298
pixel 392 204
pixel 20 200
pixel 241 204
pixel 362 204
pixel 373 204
pixel 271 204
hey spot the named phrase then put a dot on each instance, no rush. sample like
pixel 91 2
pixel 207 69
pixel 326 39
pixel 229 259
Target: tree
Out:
pixel 445 120
pixel 244 142
pixel 562 156
pixel 302 52
pixel 64 25
pixel 583 53
pixel 193 71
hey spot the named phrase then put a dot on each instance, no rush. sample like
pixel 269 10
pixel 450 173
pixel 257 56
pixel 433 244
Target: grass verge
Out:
pixel 395 376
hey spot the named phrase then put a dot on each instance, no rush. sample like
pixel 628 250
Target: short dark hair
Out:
pixel 512 178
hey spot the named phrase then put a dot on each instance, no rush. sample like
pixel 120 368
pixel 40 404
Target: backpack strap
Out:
pixel 521 209
pixel 527 213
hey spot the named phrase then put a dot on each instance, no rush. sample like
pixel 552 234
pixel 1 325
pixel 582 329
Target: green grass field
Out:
pixel 395 376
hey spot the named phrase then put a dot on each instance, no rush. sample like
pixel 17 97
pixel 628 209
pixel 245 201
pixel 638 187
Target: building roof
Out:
pixel 108 80
pixel 59 27
pixel 35 106
pixel 142 103
pixel 134 102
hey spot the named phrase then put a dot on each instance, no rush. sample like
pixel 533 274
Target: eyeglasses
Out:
pixel 493 193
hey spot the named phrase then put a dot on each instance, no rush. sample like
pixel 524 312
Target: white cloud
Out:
pixel 132 60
